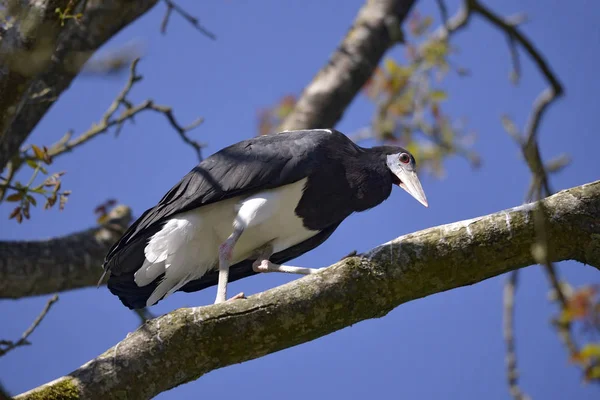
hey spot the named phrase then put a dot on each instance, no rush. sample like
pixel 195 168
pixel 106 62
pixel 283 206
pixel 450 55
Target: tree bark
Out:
pixel 194 341
pixel 39 57
pixel 30 268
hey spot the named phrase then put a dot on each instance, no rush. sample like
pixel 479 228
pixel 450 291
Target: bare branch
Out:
pixel 181 130
pixel 172 6
pixel 192 340
pixel 540 185
pixel 49 60
pixel 6 346
pixel 510 28
pixel 515 74
pixel 109 120
pixel 29 268
pixel 324 100
pixel 444 13
pixel 114 61
pixel 510 288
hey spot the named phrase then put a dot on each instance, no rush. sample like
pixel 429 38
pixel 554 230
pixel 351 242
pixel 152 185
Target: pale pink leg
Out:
pixel 268 266
pixel 225 252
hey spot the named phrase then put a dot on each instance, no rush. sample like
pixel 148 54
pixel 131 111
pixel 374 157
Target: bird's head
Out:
pixel 402 167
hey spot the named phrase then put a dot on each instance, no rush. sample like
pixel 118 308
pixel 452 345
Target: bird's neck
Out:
pixel 370 180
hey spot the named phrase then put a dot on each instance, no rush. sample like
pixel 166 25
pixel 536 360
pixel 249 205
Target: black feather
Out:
pixel 342 178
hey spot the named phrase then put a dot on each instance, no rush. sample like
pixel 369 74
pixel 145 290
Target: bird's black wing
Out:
pixel 243 168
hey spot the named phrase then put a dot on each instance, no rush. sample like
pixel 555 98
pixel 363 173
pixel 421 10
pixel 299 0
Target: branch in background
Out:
pixel 374 31
pixel 42 55
pixel 172 6
pixel 3 393
pixel 30 268
pixel 33 156
pixel 110 120
pixel 509 337
pixel 112 62
pixel 191 340
pixel 540 186
pixel 409 100
pixel 6 345
pixel 444 14
pixel 511 29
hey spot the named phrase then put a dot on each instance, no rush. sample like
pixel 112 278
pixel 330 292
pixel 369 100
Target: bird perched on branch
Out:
pixel 251 207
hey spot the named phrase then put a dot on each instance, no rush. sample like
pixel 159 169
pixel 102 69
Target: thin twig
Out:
pixel 172 6
pixel 6 345
pixel 510 288
pixel 443 12
pixel 109 120
pixel 514 55
pixel 511 29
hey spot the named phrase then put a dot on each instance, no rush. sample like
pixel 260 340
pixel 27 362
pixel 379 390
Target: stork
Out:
pixel 251 207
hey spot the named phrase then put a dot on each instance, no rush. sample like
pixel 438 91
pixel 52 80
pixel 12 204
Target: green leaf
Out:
pixel 438 95
pixel 39 154
pixel 38 189
pixel 31 163
pixel 590 350
pixel 32 200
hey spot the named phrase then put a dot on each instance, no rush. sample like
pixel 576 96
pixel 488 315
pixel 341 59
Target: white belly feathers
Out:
pixel 188 244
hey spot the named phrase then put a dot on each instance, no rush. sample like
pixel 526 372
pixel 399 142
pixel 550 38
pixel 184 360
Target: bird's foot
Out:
pixel 268 266
pixel 238 296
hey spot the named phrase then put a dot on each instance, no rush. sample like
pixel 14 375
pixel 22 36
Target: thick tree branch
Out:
pixel 38 65
pixel 375 30
pixel 194 341
pixel 69 262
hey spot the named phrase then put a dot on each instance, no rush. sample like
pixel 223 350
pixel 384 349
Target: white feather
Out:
pixel 188 244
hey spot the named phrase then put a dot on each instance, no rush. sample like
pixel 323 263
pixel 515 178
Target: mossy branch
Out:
pixel 194 341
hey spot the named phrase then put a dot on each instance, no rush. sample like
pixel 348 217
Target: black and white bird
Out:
pixel 251 207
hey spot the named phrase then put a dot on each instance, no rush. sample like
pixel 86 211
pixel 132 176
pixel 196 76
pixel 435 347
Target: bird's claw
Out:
pixel 261 266
pixel 238 296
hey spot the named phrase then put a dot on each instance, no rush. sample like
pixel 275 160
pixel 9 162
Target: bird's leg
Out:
pixel 267 266
pixel 262 264
pixel 225 252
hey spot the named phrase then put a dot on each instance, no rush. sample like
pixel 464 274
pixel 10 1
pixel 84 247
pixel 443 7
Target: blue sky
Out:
pixel 447 345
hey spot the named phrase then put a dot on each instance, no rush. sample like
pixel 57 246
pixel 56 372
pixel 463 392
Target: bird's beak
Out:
pixel 409 181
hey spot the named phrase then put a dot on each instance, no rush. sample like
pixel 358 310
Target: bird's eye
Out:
pixel 404 158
